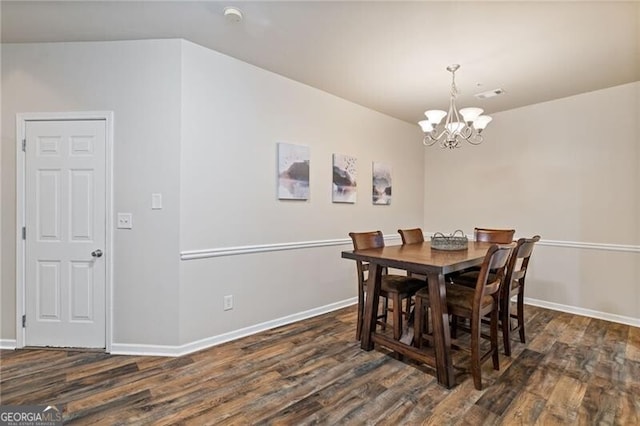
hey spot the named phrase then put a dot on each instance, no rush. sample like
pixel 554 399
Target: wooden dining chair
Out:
pixel 397 288
pixel 485 235
pixel 411 236
pixel 515 275
pixel 513 285
pixel 495 236
pixel 472 304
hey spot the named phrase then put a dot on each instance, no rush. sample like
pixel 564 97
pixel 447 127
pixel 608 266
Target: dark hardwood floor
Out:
pixel 573 370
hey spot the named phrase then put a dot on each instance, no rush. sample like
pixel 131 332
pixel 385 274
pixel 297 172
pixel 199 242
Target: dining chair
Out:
pixel 411 236
pixel 495 236
pixel 485 235
pixel 513 285
pixel 472 304
pixel 398 288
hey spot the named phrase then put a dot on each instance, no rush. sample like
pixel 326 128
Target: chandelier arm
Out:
pixel 467 132
pixel 428 138
pixel 476 139
pixel 443 134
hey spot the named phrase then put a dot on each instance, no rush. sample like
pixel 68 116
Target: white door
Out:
pixel 65 216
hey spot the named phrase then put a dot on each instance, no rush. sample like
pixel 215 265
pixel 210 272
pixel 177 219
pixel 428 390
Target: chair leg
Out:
pixel 407 310
pixel 521 314
pixel 397 316
pixel 505 321
pixel 385 312
pixel 476 371
pixel 360 316
pixel 417 323
pixel 454 326
pixel 494 338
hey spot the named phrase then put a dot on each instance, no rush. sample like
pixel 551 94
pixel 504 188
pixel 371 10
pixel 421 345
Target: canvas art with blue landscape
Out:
pixel 293 172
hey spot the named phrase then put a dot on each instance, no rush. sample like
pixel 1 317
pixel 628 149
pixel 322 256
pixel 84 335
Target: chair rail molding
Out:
pixel 629 248
pixel 591 246
pixel 262 248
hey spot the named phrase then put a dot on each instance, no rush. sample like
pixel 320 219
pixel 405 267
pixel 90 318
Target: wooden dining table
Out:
pixel 421 259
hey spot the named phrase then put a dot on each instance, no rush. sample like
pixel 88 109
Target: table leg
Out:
pixel 371 305
pixel 441 335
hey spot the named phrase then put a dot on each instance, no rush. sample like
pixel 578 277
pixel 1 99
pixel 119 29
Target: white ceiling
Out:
pixel 390 56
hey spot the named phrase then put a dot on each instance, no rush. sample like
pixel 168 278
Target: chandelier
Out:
pixel 454 130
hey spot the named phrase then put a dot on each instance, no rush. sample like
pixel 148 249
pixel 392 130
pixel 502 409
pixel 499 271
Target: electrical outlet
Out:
pixel 228 303
pixel 125 221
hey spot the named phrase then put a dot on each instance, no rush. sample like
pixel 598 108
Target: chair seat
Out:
pixel 459 296
pixel 401 284
pixel 471 276
pixel 469 279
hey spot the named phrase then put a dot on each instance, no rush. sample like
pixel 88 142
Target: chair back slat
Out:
pixel 518 263
pixel 363 241
pixel 411 236
pixel 367 240
pixel 495 236
pixel 495 261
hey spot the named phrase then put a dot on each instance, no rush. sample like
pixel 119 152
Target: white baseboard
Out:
pixel 173 351
pixel 635 322
pixel 8 343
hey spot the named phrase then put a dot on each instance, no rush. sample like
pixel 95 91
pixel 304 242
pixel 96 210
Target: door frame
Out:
pixel 21 124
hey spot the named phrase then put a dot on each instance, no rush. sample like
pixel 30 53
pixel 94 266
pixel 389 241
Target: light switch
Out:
pixel 125 221
pixel 156 201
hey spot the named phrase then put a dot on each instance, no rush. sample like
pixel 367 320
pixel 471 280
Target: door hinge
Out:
pixel 24 232
pixel 24 321
pixel 24 145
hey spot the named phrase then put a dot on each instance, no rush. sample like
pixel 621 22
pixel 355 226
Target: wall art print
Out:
pixel 293 172
pixel 344 179
pixel 381 184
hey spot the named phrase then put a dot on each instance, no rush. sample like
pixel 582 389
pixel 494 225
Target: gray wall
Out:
pixel 233 116
pixel 201 128
pixel 569 171
pixel 140 82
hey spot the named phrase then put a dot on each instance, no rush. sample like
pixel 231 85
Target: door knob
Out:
pixel 96 253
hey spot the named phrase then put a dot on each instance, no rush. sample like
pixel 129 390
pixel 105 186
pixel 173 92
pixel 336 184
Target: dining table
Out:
pixel 435 264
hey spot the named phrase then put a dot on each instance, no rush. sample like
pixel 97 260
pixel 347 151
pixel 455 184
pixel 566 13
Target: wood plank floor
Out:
pixel 573 370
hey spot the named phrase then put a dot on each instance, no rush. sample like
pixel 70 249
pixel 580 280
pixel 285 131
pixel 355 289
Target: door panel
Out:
pixel 65 202
pixel 81 204
pixel 81 291
pixel 48 295
pixel 48 197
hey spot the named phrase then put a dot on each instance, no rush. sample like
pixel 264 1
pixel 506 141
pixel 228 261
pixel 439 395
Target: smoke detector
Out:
pixel 489 94
pixel 232 14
